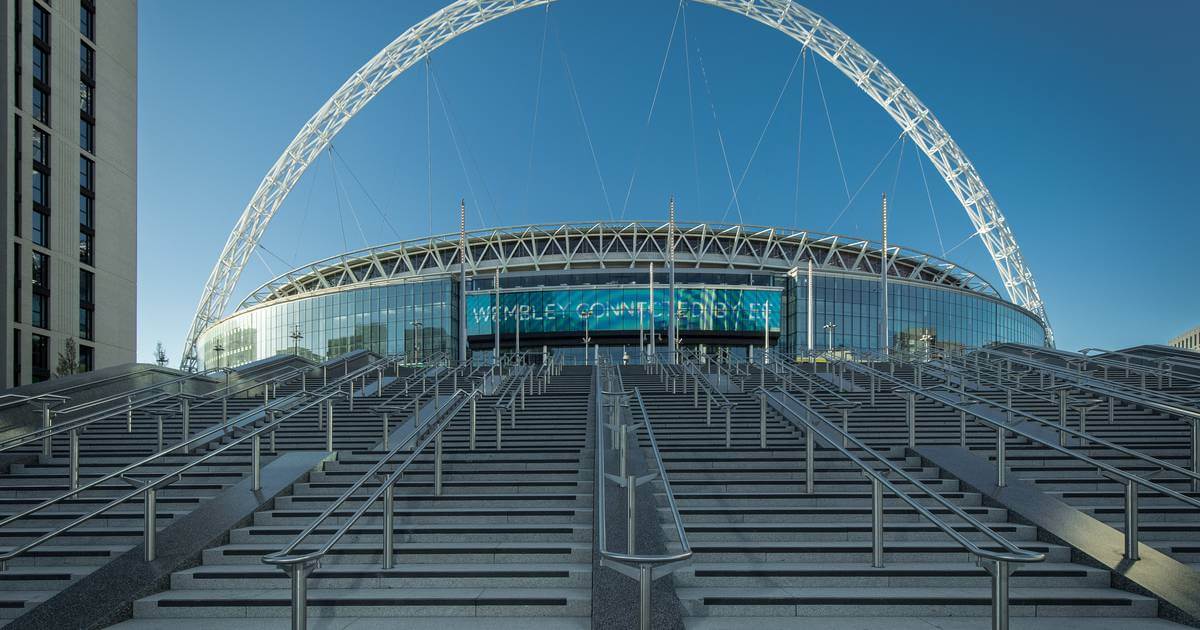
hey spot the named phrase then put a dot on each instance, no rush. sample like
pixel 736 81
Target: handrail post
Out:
pixel 1000 465
pixel 225 411
pixel 631 514
pixel 389 526
pixel 707 408
pixel 472 438
pixel 1131 520
pixel 845 427
pixel 762 420
pixel 810 464
pixel 910 414
pixel 350 383
pixel 1062 415
pixel 645 579
pixel 728 427
pixel 47 423
pixel 329 424
pixel 129 414
pixel 185 412
pixel 1000 577
pixel 256 462
pixel 962 428
pixel 159 422
pixel 1196 453
pixel 386 426
pixel 74 437
pixel 437 465
pixel 876 523
pixel 298 576
pixel 379 392
pixel 499 426
pixel 623 444
pixel 149 526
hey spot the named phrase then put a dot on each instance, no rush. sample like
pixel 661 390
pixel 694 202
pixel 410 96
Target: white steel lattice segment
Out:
pixel 613 246
pixel 461 16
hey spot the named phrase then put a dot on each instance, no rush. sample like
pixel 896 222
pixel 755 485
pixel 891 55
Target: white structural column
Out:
pixel 460 16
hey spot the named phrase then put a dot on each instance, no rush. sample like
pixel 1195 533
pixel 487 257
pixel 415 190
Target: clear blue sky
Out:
pixel 1081 122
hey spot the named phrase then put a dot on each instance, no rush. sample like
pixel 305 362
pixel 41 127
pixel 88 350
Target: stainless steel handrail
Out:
pixel 641 567
pixel 997 561
pixel 150 488
pixel 1130 480
pixel 300 566
pixel 59 393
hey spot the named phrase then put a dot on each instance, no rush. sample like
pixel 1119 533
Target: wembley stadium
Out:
pixel 560 284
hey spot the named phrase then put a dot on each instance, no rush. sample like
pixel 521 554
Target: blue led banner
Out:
pixel 561 310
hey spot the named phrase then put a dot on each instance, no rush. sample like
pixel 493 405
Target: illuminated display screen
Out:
pixel 561 310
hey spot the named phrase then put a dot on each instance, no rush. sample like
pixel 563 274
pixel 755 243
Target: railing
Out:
pixel 300 566
pixel 1131 481
pixel 679 371
pixel 642 567
pixel 995 562
pixel 10 400
pixel 150 488
pixel 510 397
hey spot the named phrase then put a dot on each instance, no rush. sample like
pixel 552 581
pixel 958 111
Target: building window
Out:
pixel 40 188
pixel 17 284
pixel 87 62
pixel 87 174
pixel 41 271
pixel 16 354
pixel 40 141
pixel 41 105
pixel 86 246
pixel 41 65
pixel 17 176
pixel 40 311
pixel 40 357
pixel 85 324
pixel 87 207
pixel 87 135
pixel 17 64
pixel 87 358
pixel 87 98
pixel 41 24
pixel 41 229
pixel 87 19
pixel 87 288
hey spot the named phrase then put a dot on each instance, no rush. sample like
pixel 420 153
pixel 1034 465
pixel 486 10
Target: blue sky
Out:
pixel 1081 123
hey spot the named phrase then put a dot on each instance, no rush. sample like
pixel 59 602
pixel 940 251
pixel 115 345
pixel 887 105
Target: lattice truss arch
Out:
pixel 613 246
pixel 786 16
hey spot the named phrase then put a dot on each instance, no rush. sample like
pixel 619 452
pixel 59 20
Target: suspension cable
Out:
pixel 865 182
pixel 836 151
pixel 537 105
pixel 937 228
pixel 800 134
pixel 899 163
pixel 428 150
pixel 637 158
pixel 720 138
pixel 763 133
pixel 338 196
pixel 457 149
pixel 337 182
pixel 312 185
pixel 583 119
pixel 691 106
pixel 354 176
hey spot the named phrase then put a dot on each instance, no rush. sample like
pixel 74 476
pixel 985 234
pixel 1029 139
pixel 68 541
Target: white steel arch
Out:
pixel 786 16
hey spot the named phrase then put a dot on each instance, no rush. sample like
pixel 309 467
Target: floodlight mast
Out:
pixel 916 121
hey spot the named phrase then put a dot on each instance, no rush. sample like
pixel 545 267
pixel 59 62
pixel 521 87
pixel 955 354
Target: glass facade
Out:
pixel 379 319
pixel 709 309
pixel 917 315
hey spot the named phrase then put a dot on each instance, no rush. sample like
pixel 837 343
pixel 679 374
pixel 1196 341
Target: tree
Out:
pixel 68 359
pixel 160 355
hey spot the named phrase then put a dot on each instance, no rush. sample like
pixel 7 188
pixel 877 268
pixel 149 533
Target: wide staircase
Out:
pixel 767 549
pixel 509 538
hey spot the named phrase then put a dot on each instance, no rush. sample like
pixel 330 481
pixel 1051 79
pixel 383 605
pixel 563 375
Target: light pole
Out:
pixel 417 326
pixel 517 345
pixel 587 337
pixel 641 334
pixel 766 330
pixel 218 349
pixel 829 328
pixel 925 339
pixel 296 336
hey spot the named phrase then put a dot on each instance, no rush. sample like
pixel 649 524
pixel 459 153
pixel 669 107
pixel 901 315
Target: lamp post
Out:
pixel 296 336
pixel 517 343
pixel 417 326
pixel 587 337
pixel 218 349
pixel 829 328
pixel 641 334
pixel 925 339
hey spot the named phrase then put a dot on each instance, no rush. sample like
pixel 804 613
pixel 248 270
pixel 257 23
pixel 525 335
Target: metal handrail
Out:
pixel 1130 480
pixel 795 370
pixel 1106 364
pixel 625 563
pixel 125 395
pixel 58 393
pixel 150 488
pixel 997 562
pixel 300 566
pixel 18 399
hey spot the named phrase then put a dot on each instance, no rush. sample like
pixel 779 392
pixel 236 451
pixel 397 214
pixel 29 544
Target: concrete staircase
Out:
pixel 766 549
pixel 510 537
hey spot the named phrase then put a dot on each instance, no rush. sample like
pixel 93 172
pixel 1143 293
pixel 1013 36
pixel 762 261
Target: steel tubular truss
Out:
pixel 810 29
pixel 610 245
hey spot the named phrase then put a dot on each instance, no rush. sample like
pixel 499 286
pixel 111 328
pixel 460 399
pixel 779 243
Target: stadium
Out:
pixel 808 290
